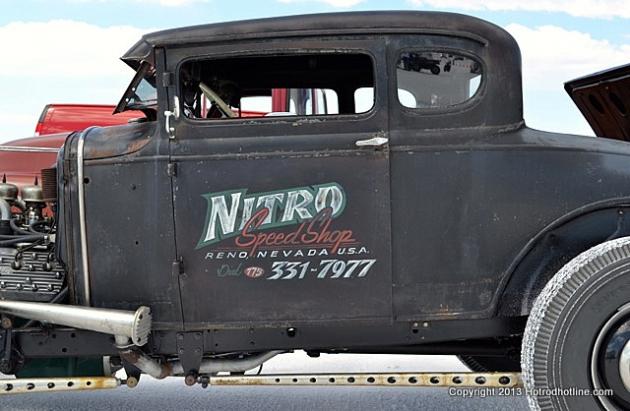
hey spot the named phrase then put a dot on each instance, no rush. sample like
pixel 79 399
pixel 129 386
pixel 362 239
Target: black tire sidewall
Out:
pixel 575 332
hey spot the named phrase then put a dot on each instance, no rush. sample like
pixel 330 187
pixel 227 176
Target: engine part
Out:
pixel 5 227
pixel 146 364
pixel 49 184
pixel 32 275
pixel 33 198
pixel 8 191
pixel 124 325
pixel 10 357
pixel 33 193
pixel 5 217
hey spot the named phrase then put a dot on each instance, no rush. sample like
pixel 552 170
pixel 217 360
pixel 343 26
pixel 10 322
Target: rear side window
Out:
pixel 434 79
pixel 276 86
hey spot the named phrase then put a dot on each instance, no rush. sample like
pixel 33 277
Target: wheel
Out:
pixel 576 350
pixel 490 364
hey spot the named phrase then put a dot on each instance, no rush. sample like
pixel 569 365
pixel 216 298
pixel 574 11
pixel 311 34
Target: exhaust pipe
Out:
pixel 159 370
pixel 124 325
pixel 228 365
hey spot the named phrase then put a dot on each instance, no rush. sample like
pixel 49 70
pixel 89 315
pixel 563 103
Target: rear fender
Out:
pixel 555 246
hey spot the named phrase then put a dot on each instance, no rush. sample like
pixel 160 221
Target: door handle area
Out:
pixel 372 142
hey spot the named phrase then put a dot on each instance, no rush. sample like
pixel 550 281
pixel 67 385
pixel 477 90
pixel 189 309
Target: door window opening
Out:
pixel 276 86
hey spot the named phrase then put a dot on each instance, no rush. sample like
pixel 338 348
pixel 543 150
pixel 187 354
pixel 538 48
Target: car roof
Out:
pixel 499 102
pixel 372 22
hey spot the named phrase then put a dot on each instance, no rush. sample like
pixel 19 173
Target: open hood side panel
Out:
pixel 604 100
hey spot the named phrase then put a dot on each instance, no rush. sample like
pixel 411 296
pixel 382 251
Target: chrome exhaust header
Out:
pixel 125 325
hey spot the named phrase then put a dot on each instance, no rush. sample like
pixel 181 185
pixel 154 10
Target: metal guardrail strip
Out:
pixel 378 379
pixel 424 379
pixel 28 385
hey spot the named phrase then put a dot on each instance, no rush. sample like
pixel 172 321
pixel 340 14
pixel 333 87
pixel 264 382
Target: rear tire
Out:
pixel 561 351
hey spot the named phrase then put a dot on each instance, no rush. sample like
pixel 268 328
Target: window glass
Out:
pixel 145 94
pixel 431 79
pixel 279 86
pixel 141 92
pixel 364 99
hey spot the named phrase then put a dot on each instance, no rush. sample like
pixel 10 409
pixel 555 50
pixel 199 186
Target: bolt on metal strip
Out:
pixel 28 385
pixel 465 379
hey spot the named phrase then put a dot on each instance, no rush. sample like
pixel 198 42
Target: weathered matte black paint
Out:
pixel 459 208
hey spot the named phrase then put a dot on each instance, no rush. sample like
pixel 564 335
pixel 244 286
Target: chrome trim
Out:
pixel 127 325
pixel 27 149
pixel 82 226
pixel 170 130
pixel 372 142
pixel 597 383
pixel 624 365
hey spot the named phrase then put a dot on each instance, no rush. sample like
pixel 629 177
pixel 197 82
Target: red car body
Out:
pixel 62 118
pixel 23 159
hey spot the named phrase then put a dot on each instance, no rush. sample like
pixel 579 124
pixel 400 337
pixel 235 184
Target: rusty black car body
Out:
pixel 401 228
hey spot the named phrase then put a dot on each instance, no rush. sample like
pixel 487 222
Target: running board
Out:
pixel 28 385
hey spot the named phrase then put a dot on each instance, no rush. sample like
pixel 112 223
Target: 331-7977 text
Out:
pixel 288 270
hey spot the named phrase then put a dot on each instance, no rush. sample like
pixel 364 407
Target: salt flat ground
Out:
pixel 172 394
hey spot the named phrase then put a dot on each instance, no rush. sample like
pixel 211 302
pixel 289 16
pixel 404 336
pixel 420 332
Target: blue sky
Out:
pixel 66 50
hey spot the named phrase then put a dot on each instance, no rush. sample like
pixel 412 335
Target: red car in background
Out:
pixel 62 118
pixel 23 159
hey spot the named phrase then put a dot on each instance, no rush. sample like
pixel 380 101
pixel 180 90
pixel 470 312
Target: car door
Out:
pixel 283 217
pixel 458 185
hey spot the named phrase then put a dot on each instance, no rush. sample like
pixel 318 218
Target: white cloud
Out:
pixel 65 48
pixel 65 61
pixel 60 61
pixel 333 3
pixel 553 55
pixel 580 8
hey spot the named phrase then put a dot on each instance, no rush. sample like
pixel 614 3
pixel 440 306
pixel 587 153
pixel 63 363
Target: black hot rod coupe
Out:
pixel 339 183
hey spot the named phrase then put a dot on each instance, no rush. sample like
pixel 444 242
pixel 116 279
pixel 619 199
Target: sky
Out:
pixel 66 51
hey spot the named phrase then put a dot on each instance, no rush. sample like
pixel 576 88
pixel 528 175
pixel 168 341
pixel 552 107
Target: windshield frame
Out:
pixel 145 72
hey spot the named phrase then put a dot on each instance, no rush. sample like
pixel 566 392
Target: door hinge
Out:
pixel 178 266
pixel 171 169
